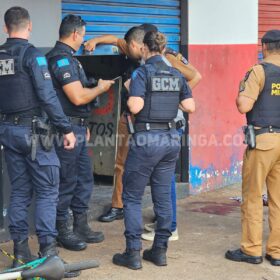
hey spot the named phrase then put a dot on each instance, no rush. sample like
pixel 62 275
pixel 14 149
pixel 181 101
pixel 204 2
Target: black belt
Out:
pixel 80 121
pixel 269 129
pixel 153 126
pixel 16 119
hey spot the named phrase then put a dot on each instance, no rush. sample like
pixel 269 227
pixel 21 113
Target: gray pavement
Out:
pixel 209 224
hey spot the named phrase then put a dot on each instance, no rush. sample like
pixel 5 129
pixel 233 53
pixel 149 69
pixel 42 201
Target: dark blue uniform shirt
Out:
pixel 66 69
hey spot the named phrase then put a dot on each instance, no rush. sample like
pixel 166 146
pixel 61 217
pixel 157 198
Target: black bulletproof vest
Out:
pixel 17 93
pixel 162 95
pixel 69 108
pixel 266 110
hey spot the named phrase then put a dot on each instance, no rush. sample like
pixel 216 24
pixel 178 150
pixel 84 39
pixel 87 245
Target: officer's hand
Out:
pixel 127 84
pixel 69 141
pixel 88 135
pixel 104 85
pixel 90 45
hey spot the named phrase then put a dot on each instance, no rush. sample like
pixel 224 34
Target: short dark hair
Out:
pixel 155 41
pixel 70 24
pixel 273 46
pixel 134 33
pixel 16 18
pixel 147 27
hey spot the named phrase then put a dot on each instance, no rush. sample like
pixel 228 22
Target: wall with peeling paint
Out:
pixel 222 45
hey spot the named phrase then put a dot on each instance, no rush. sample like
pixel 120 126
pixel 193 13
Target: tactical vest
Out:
pixel 162 95
pixel 17 93
pixel 266 110
pixel 69 108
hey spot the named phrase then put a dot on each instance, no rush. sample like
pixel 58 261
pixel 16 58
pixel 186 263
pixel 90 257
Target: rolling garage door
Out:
pixel 117 16
pixel 269 18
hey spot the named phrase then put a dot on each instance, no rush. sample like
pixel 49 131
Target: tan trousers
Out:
pixel 261 166
pixel 122 151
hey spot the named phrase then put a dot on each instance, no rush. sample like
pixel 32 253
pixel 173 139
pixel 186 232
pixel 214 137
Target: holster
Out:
pixel 250 136
pixel 44 133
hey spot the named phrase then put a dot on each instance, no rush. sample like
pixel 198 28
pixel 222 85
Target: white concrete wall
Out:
pixel 45 15
pixel 223 22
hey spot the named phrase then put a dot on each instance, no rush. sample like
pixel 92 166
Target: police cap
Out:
pixel 271 36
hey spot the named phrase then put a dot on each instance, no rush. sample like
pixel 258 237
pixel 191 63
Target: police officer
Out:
pixel 156 90
pixel 26 96
pixel 259 98
pixel 131 47
pixel 76 175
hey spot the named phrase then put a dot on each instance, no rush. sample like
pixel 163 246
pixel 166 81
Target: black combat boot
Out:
pixel 130 258
pixel 67 238
pixel 50 249
pixel 83 230
pixel 156 255
pixel 112 215
pixel 22 253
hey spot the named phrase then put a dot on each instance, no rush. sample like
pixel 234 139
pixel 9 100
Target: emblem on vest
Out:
pixel 7 67
pixel 165 83
pixel 275 89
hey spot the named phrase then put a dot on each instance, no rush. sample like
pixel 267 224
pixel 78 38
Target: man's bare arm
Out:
pixel 105 39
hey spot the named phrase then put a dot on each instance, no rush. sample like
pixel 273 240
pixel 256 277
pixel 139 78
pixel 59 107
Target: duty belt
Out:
pixel 16 119
pixel 269 129
pixel 78 121
pixel 154 126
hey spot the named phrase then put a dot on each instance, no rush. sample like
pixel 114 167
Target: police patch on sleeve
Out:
pixel 41 60
pixel 134 75
pixel 63 62
pixel 66 75
pixel 46 75
pixel 242 84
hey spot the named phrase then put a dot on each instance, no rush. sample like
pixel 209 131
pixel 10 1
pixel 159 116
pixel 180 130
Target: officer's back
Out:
pixel 27 97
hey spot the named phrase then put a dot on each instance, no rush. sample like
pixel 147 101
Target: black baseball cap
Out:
pixel 271 36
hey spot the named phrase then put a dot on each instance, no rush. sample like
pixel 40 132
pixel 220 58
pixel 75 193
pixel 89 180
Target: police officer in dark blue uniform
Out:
pixel 156 91
pixel 76 175
pixel 27 98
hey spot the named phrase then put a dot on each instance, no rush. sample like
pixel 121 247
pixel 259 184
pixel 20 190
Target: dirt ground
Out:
pixel 208 225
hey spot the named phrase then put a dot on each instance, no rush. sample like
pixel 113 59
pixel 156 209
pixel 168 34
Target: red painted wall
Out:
pixel 215 128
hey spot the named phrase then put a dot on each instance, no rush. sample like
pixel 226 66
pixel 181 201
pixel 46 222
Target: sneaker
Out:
pixel 150 227
pixel 151 235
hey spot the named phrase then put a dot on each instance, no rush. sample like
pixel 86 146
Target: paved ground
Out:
pixel 209 224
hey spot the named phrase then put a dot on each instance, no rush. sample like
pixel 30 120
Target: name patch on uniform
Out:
pixel 275 89
pixel 7 67
pixel 41 61
pixel 63 62
pixel 165 83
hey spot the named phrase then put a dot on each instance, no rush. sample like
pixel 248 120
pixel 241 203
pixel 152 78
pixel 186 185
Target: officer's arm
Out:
pixel 65 72
pixel 105 39
pixel 137 90
pixel 249 89
pixel 37 65
pixel 79 95
pixel 135 104
pixel 187 103
pixel 244 104
pixel 190 73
